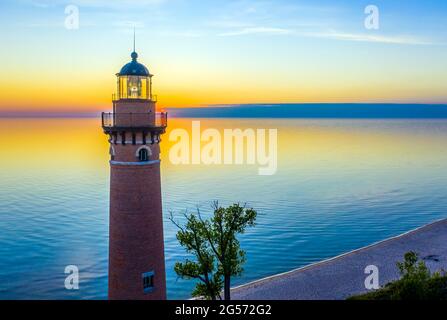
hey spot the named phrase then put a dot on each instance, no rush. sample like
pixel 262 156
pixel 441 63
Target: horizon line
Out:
pixel 94 114
pixel 214 105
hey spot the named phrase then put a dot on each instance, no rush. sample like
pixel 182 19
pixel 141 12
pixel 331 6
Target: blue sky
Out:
pixel 418 20
pixel 207 51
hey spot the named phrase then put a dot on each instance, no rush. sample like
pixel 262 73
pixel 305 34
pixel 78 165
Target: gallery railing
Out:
pixel 134 120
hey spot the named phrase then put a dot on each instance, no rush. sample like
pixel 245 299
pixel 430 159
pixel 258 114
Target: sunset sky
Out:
pixel 223 52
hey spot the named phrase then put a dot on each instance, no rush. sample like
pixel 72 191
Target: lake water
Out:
pixel 340 185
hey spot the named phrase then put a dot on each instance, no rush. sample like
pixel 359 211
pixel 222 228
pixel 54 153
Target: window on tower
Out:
pixel 148 282
pixel 143 155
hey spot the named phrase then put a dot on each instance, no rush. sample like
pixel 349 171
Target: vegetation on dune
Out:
pixel 416 283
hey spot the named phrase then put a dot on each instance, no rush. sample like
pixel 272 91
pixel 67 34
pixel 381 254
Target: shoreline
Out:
pixel 345 272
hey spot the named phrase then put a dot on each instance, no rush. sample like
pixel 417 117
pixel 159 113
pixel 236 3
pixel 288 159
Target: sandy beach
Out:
pixel 344 276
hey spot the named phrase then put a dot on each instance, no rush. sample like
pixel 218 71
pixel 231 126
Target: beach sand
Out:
pixel 344 276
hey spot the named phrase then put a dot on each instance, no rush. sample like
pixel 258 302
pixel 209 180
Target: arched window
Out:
pixel 143 155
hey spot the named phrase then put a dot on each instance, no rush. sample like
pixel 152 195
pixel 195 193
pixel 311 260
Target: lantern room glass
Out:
pixel 134 87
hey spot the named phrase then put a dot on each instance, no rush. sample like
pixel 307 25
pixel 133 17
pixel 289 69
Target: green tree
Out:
pixel 214 244
pixel 192 238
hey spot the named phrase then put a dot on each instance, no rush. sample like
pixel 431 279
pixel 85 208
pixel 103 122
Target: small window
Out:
pixel 143 155
pixel 148 282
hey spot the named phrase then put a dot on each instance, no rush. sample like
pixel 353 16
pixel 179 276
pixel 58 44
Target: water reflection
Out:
pixel 340 185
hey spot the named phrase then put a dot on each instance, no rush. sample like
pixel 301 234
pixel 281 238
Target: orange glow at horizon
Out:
pixel 85 91
pixel 87 146
pixel 94 97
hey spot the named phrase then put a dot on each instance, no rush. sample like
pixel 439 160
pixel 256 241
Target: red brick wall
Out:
pixel 136 232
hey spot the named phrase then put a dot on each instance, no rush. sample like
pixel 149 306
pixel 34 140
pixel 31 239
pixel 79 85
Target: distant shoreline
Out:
pixel 279 111
pixel 318 111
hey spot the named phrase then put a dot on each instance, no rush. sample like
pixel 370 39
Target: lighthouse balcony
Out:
pixel 135 122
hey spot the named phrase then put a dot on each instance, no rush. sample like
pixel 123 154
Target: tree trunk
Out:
pixel 208 286
pixel 227 287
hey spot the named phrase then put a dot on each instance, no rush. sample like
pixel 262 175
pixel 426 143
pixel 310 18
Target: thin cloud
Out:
pixel 405 40
pixel 181 34
pixel 332 35
pixel 129 24
pixel 256 30
pixel 39 4
pixel 112 4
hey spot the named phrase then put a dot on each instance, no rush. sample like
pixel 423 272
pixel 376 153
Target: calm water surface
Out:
pixel 340 185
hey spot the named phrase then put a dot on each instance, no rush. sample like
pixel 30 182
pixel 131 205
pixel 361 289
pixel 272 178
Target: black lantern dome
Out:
pixel 134 68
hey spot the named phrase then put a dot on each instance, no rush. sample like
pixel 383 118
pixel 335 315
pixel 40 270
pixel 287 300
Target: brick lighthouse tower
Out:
pixel 136 248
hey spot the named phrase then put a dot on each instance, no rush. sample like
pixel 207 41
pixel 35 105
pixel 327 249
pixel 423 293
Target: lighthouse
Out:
pixel 136 247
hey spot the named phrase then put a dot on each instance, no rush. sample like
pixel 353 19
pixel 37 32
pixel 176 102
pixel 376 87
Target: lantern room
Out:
pixel 134 81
